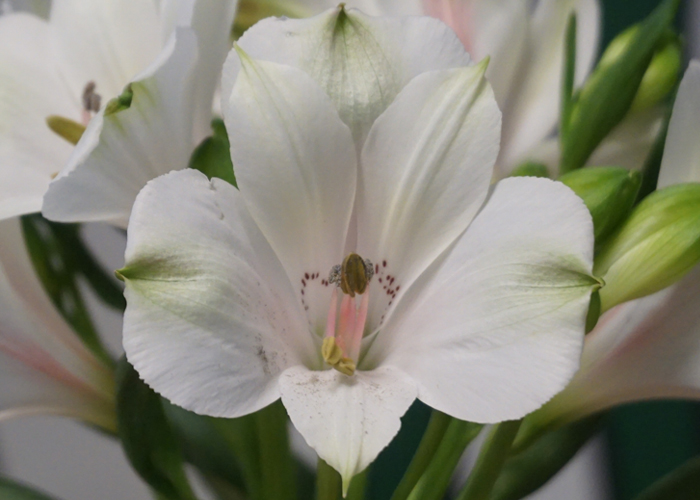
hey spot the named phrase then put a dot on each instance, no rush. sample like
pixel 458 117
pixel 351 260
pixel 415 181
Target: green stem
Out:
pixel 437 427
pixel 276 464
pixel 357 486
pixel 490 462
pixel 436 478
pixel 328 482
pixel 568 78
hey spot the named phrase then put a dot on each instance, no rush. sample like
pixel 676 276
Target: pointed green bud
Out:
pixel 660 78
pixel 68 129
pixel 655 247
pixel 531 169
pixel 608 192
pixel 120 103
pixel 608 94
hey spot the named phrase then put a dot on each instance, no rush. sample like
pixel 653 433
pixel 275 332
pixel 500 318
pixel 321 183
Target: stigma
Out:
pixel 344 331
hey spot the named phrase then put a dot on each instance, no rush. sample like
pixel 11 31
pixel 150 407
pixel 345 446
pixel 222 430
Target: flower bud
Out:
pixel 608 192
pixel 660 78
pixel 657 245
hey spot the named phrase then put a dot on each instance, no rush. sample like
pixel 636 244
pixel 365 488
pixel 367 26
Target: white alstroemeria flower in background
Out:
pixel 49 68
pixel 475 308
pixel 648 348
pixel 525 41
pixel 44 367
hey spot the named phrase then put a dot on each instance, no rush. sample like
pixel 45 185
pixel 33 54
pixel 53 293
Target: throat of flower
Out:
pixel 343 338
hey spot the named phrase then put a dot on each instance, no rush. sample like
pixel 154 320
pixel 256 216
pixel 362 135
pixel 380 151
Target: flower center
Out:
pixel 341 345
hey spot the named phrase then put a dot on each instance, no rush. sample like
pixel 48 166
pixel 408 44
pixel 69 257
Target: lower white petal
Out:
pixel 347 420
pixel 119 153
pixel 211 319
pixel 495 328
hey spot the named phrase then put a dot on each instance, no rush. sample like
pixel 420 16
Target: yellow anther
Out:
pixel 332 353
pixel 65 127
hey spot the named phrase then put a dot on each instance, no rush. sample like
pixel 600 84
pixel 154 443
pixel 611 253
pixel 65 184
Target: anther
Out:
pixel 92 101
pixel 353 275
pixel 333 355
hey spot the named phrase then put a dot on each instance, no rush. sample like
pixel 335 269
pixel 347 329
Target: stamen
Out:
pixel 359 330
pixel 66 128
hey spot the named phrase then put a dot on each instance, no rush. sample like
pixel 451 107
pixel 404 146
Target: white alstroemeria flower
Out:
pixel 44 367
pixel 648 348
pixel 360 240
pixel 525 41
pixel 74 64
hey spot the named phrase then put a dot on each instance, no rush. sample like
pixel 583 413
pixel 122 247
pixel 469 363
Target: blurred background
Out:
pixel 639 443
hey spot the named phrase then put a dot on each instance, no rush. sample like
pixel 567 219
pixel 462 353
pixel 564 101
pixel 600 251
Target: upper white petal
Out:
pixel 30 91
pixel 681 162
pixel 120 152
pixel 347 420
pixel 211 320
pixel 495 329
pixel 296 168
pixel 362 62
pixel 425 172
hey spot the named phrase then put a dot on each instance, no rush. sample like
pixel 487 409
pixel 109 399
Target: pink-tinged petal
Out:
pixel 30 90
pixel 211 320
pixel 641 350
pixel 119 153
pixel 347 420
pixel 296 168
pixel 495 328
pixel 362 62
pixel 425 172
pixel 681 162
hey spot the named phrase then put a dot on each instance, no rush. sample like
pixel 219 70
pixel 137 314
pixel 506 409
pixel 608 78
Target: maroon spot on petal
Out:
pixel 302 291
pixel 380 280
pixel 397 287
pixel 303 282
pixel 306 275
pixel 392 281
pixel 384 263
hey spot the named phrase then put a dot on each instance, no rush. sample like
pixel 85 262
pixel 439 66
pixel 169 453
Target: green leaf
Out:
pixel 213 156
pixel 147 437
pixel 531 169
pixel 59 259
pixel 526 471
pixel 655 247
pixel 681 484
pixel 11 490
pixel 568 77
pixel 611 89
pixel 608 192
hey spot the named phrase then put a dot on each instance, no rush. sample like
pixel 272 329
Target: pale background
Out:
pixel 74 463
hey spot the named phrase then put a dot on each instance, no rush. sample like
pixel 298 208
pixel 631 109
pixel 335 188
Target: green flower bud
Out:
pixel 608 192
pixel 531 169
pixel 608 94
pixel 661 77
pixel 655 247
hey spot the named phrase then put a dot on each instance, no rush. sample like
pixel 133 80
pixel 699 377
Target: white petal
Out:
pixel 107 41
pixel 347 420
pixel 211 21
pixel 30 90
pixel 495 329
pixel 532 110
pixel 681 162
pixel 119 153
pixel 425 172
pixel 211 320
pixel 296 168
pixel 362 66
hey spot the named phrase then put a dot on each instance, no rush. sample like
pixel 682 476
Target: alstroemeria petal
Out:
pixel 120 152
pixel 681 162
pixel 296 168
pixel 641 350
pixel 211 320
pixel 532 111
pixel 30 153
pixel 425 172
pixel 495 329
pixel 107 41
pixel 347 420
pixel 44 367
pixel 362 62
